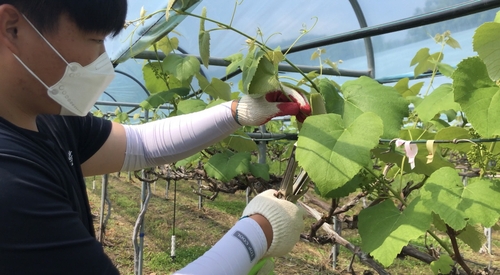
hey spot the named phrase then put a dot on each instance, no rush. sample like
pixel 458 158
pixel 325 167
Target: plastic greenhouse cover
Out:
pixel 281 22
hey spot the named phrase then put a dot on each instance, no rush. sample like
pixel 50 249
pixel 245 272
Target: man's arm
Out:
pixel 109 158
pixel 132 147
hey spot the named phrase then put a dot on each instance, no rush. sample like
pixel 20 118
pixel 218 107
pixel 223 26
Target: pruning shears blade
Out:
pixel 286 188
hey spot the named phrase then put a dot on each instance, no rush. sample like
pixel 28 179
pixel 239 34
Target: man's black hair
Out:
pixel 95 16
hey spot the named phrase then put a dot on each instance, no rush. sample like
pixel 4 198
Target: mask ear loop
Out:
pixel 31 72
pixel 48 43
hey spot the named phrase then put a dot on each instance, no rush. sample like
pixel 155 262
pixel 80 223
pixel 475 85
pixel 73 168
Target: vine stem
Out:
pixel 392 190
pixel 458 257
pixel 261 45
pixel 441 242
pixel 434 71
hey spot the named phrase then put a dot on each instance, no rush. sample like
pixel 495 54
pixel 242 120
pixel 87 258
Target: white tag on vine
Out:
pixel 431 148
pixel 411 150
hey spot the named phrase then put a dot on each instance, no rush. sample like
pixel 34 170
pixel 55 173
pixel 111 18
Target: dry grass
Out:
pixel 197 230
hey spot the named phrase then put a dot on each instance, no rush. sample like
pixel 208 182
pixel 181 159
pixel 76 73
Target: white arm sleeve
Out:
pixel 235 254
pixel 175 138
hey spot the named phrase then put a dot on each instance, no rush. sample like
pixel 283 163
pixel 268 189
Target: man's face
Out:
pixel 72 44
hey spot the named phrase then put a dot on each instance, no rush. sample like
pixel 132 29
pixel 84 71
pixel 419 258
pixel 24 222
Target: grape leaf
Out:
pixel 425 61
pixel 332 152
pixel 204 39
pixel 265 78
pixel 225 166
pixel 367 95
pixel 441 99
pixel 238 143
pixel 486 42
pixel 445 194
pixel 166 45
pixel 260 170
pixel 317 104
pixel 204 45
pixel 190 106
pixel 445 69
pixel 249 67
pixel 217 88
pixel 334 103
pixel 189 160
pixel 155 100
pixel 442 265
pixel 384 230
pixel 182 68
pixel 153 84
pixel 478 96
pixel 473 236
pixel 347 188
pixel 236 61
pixel 402 87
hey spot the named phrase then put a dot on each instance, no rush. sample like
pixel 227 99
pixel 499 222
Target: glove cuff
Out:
pixel 280 222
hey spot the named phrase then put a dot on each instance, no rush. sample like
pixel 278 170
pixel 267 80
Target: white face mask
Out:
pixel 80 87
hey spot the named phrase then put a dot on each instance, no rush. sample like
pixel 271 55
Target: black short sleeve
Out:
pixel 46 222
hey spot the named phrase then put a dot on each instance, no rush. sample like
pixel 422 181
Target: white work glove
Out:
pixel 256 110
pixel 286 220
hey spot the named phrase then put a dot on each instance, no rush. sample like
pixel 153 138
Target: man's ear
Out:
pixel 10 19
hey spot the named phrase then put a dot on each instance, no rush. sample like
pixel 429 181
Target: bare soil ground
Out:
pixel 198 229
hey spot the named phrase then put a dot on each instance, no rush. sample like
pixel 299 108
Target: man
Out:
pixel 53 69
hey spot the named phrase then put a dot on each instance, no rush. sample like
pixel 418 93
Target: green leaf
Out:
pixel 236 61
pixel 473 236
pixel 265 78
pixel 425 61
pixel 385 230
pixel 332 152
pixel 406 91
pixel 334 103
pixel 333 65
pixel 346 189
pixel 452 133
pixel 260 170
pixel 240 142
pixel 153 84
pixel 204 39
pixel 225 166
pixel 190 106
pixel 442 265
pixel 486 42
pixel 445 194
pixel 450 41
pixel 217 88
pixel 189 161
pixel 478 96
pixel 158 99
pixel 441 99
pixel 167 45
pixel 249 67
pixel 183 68
pixel 204 45
pixel 317 104
pixel 367 95
pixel 420 56
pixel 445 69
pixel 438 223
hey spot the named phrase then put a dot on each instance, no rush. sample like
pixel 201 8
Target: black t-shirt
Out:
pixel 45 220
